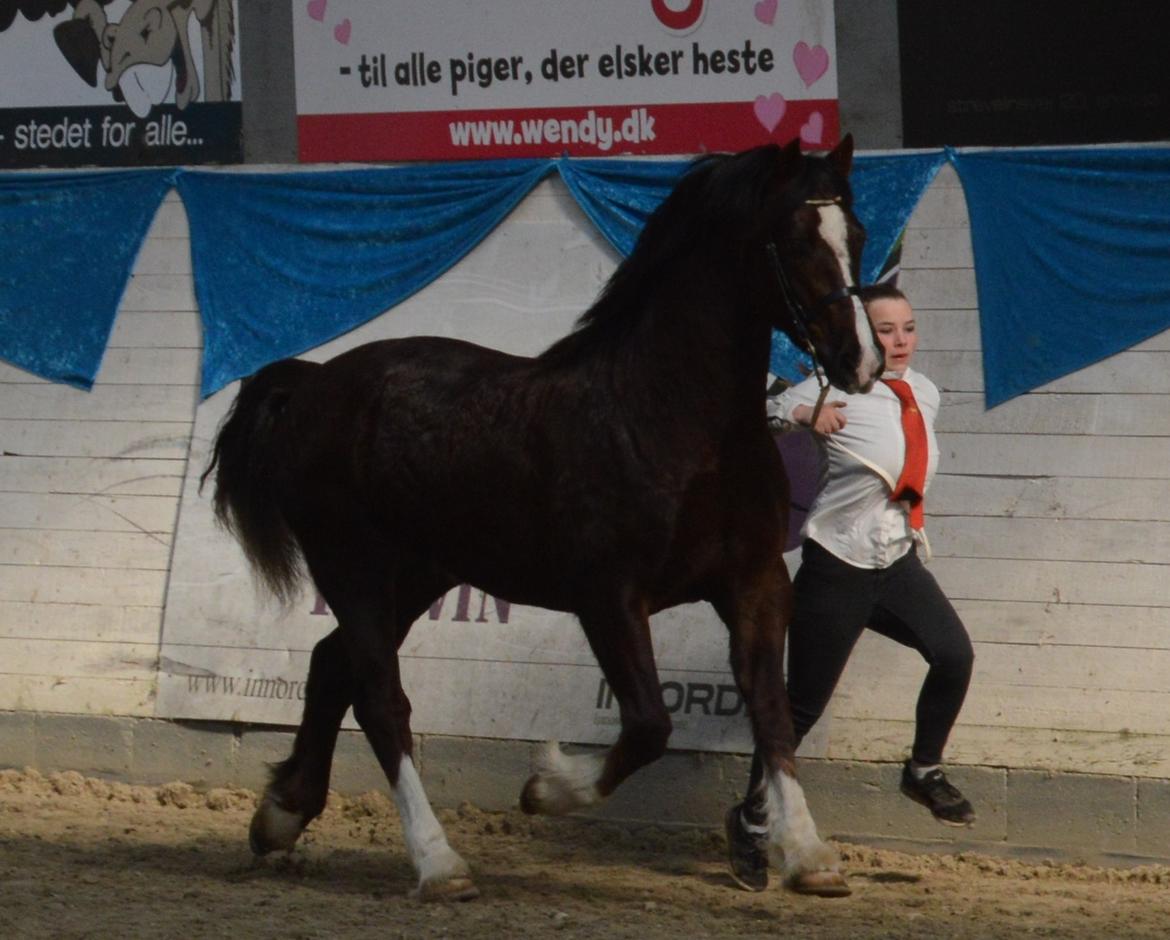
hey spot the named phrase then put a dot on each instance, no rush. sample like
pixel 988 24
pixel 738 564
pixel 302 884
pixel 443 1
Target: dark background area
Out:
pixel 1022 72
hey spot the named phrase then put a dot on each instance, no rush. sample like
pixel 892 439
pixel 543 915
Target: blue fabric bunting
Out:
pixel 284 262
pixel 886 191
pixel 1072 257
pixel 67 245
pixel 619 196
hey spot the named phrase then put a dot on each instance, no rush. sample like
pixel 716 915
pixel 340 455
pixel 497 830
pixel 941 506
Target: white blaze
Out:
pixel 834 232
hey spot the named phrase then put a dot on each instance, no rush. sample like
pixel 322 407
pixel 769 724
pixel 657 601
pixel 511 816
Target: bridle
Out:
pixel 801 316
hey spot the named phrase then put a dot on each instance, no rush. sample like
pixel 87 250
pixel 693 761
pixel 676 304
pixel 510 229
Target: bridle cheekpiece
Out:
pixel 800 314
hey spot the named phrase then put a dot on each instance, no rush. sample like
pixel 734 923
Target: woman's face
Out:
pixel 893 321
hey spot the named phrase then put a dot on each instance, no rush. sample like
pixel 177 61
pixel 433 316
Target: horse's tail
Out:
pixel 245 460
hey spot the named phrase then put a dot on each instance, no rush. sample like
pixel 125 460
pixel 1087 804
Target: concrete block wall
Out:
pixel 1096 819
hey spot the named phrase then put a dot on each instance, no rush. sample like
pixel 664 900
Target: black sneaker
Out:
pixel 935 792
pixel 747 852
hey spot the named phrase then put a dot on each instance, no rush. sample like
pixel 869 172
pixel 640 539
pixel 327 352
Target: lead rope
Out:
pixel 812 422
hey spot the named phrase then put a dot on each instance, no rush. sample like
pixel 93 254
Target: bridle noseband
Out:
pixel 801 317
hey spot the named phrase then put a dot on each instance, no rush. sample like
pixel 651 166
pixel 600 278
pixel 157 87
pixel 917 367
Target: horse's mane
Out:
pixel 697 231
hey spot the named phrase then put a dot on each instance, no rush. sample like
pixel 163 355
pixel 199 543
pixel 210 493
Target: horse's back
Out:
pixel 522 478
pixel 399 388
pixel 414 362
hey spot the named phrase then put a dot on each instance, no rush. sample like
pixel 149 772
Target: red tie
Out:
pixel 911 484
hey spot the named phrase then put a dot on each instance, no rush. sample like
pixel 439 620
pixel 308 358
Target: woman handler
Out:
pixel 860 568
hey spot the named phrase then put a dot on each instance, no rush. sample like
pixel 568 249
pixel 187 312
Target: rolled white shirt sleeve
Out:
pixel 781 406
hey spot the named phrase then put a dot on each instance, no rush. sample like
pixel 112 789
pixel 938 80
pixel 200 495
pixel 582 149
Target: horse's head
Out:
pixel 813 242
pixel 768 233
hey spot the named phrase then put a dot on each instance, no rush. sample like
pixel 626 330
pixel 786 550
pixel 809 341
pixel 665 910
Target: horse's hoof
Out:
pixel 824 884
pixel 563 783
pixel 529 800
pixel 549 796
pixel 273 829
pixel 457 888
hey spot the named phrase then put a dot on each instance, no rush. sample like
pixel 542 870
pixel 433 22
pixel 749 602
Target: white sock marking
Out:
pixel 426 842
pixel 566 782
pixel 792 830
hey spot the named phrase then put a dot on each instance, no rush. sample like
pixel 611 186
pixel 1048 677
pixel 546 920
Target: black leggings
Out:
pixel 833 603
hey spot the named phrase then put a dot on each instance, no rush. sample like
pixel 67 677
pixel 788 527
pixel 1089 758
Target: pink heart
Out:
pixel 317 10
pixel 770 110
pixel 813 129
pixel 766 12
pixel 342 30
pixel 811 62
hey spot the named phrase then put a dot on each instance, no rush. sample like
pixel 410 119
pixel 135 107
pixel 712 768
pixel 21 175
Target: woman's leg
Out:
pixel 912 610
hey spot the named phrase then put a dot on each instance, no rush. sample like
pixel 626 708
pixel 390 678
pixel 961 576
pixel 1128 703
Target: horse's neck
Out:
pixel 710 362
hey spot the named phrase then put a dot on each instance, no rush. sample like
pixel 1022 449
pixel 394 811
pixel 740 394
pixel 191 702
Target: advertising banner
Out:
pixel 470 79
pixel 119 83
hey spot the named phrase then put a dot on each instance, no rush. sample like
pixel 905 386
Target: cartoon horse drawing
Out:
pixel 147 55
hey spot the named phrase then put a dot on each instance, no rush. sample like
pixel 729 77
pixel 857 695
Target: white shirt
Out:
pixel 852 515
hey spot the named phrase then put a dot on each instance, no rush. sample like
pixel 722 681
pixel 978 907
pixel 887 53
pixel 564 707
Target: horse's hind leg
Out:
pixel 757 620
pixel 297 791
pixel 357 664
pixel 376 599
pixel 620 639
pixel 383 711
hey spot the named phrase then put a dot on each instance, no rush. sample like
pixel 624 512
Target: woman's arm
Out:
pixel 795 405
pixel 831 418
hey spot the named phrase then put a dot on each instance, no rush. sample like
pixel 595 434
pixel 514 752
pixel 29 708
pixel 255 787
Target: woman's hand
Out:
pixel 831 418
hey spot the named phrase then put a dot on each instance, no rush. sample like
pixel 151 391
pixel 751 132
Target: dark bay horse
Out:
pixel 627 469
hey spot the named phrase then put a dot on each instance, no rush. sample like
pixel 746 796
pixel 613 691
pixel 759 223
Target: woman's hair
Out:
pixel 883 291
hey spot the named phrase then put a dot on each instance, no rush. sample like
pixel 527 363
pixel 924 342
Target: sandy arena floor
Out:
pixel 87 858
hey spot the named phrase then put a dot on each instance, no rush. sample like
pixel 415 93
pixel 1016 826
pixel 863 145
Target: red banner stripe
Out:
pixel 602 130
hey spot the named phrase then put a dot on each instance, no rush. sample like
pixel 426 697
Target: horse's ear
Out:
pixel 788 159
pixel 841 157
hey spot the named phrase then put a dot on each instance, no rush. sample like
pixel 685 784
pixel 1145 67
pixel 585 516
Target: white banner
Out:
pixel 119 83
pixel 459 79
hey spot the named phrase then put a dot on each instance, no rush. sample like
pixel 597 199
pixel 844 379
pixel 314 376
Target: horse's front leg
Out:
pixel 619 635
pixel 757 619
